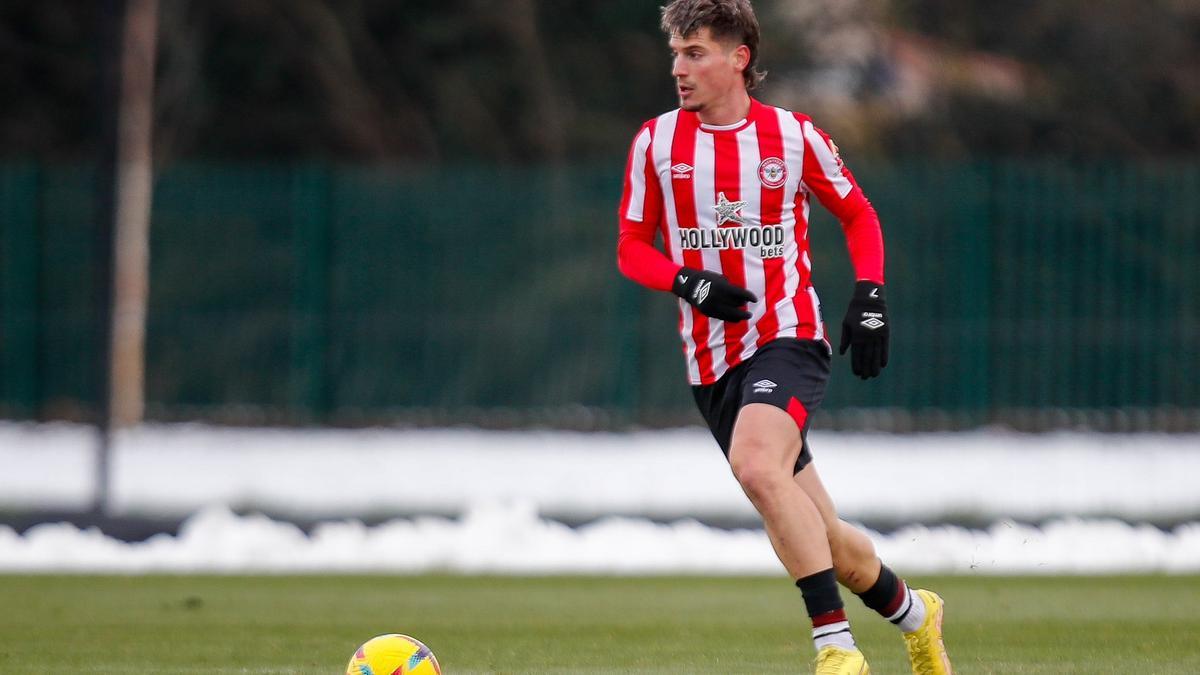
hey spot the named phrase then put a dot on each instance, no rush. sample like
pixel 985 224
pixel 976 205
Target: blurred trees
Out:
pixel 1114 77
pixel 538 80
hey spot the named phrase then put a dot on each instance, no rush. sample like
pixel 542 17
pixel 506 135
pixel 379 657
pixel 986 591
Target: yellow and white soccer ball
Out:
pixel 393 654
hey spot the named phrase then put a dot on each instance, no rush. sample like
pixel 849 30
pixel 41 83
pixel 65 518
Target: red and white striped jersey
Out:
pixel 735 200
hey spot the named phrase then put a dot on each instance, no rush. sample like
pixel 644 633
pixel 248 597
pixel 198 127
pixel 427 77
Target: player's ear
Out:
pixel 741 57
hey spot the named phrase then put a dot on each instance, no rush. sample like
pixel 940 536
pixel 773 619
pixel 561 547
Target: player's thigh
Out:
pixel 790 375
pixel 766 437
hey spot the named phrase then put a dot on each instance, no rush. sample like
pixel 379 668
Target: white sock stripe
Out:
pixel 915 616
pixel 829 629
pixel 842 638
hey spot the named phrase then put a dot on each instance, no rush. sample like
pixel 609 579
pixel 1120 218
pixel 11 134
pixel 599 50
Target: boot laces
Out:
pixel 831 660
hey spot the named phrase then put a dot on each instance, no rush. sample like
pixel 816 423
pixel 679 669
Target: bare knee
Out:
pixel 755 470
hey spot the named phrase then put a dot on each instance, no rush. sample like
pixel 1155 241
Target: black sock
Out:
pixel 820 592
pixel 888 596
pixel 883 592
pixel 825 608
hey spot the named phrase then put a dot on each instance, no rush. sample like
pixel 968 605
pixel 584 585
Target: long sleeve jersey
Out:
pixel 735 199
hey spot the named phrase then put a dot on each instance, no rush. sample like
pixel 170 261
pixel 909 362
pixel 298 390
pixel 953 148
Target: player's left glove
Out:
pixel 865 330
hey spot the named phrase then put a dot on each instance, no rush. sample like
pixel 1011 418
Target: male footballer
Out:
pixel 728 182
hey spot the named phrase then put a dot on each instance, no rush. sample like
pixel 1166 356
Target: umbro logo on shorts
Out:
pixel 764 387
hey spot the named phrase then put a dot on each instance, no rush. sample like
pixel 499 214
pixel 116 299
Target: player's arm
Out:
pixel 640 217
pixel 865 328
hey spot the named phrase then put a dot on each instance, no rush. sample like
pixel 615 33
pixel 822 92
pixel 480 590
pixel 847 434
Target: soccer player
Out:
pixel 728 182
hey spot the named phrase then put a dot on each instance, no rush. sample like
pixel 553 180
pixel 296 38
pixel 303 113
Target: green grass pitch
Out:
pixel 311 624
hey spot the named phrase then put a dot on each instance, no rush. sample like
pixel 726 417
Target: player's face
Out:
pixel 706 71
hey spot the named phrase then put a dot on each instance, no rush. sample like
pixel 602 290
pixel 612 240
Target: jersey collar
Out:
pixel 731 128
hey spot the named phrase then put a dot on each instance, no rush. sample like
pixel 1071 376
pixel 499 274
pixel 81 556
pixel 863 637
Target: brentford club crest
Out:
pixel 772 172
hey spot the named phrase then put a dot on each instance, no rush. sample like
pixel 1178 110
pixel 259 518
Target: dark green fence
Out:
pixel 1032 293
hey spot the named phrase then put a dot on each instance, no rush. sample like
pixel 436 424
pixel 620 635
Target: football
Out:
pixel 393 654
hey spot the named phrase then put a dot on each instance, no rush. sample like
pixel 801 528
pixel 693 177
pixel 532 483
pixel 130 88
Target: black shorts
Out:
pixel 787 373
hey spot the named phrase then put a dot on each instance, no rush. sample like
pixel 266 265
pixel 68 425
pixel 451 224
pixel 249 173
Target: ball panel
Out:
pixel 393 654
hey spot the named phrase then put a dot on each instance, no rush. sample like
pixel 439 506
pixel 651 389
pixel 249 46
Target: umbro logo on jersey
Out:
pixel 681 171
pixel 764 387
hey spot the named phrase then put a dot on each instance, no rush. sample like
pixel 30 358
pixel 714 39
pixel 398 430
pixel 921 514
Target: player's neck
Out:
pixel 730 110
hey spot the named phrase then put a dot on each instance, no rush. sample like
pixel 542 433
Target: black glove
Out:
pixel 865 330
pixel 712 294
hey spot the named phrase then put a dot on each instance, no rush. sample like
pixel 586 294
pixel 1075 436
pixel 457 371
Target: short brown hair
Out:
pixel 726 19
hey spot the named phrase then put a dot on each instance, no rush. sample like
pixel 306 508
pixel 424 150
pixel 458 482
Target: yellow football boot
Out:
pixel 926 650
pixel 833 660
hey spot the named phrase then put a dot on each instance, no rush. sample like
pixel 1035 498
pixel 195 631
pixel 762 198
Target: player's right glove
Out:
pixel 713 294
pixel 865 330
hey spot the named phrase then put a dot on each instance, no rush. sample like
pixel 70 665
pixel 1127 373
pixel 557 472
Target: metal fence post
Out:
pixel 627 328
pixel 978 281
pixel 310 394
pixel 19 262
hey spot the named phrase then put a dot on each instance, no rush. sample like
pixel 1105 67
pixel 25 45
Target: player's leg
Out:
pixel 854 558
pixel 763 454
pixel 918 613
pixel 785 375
